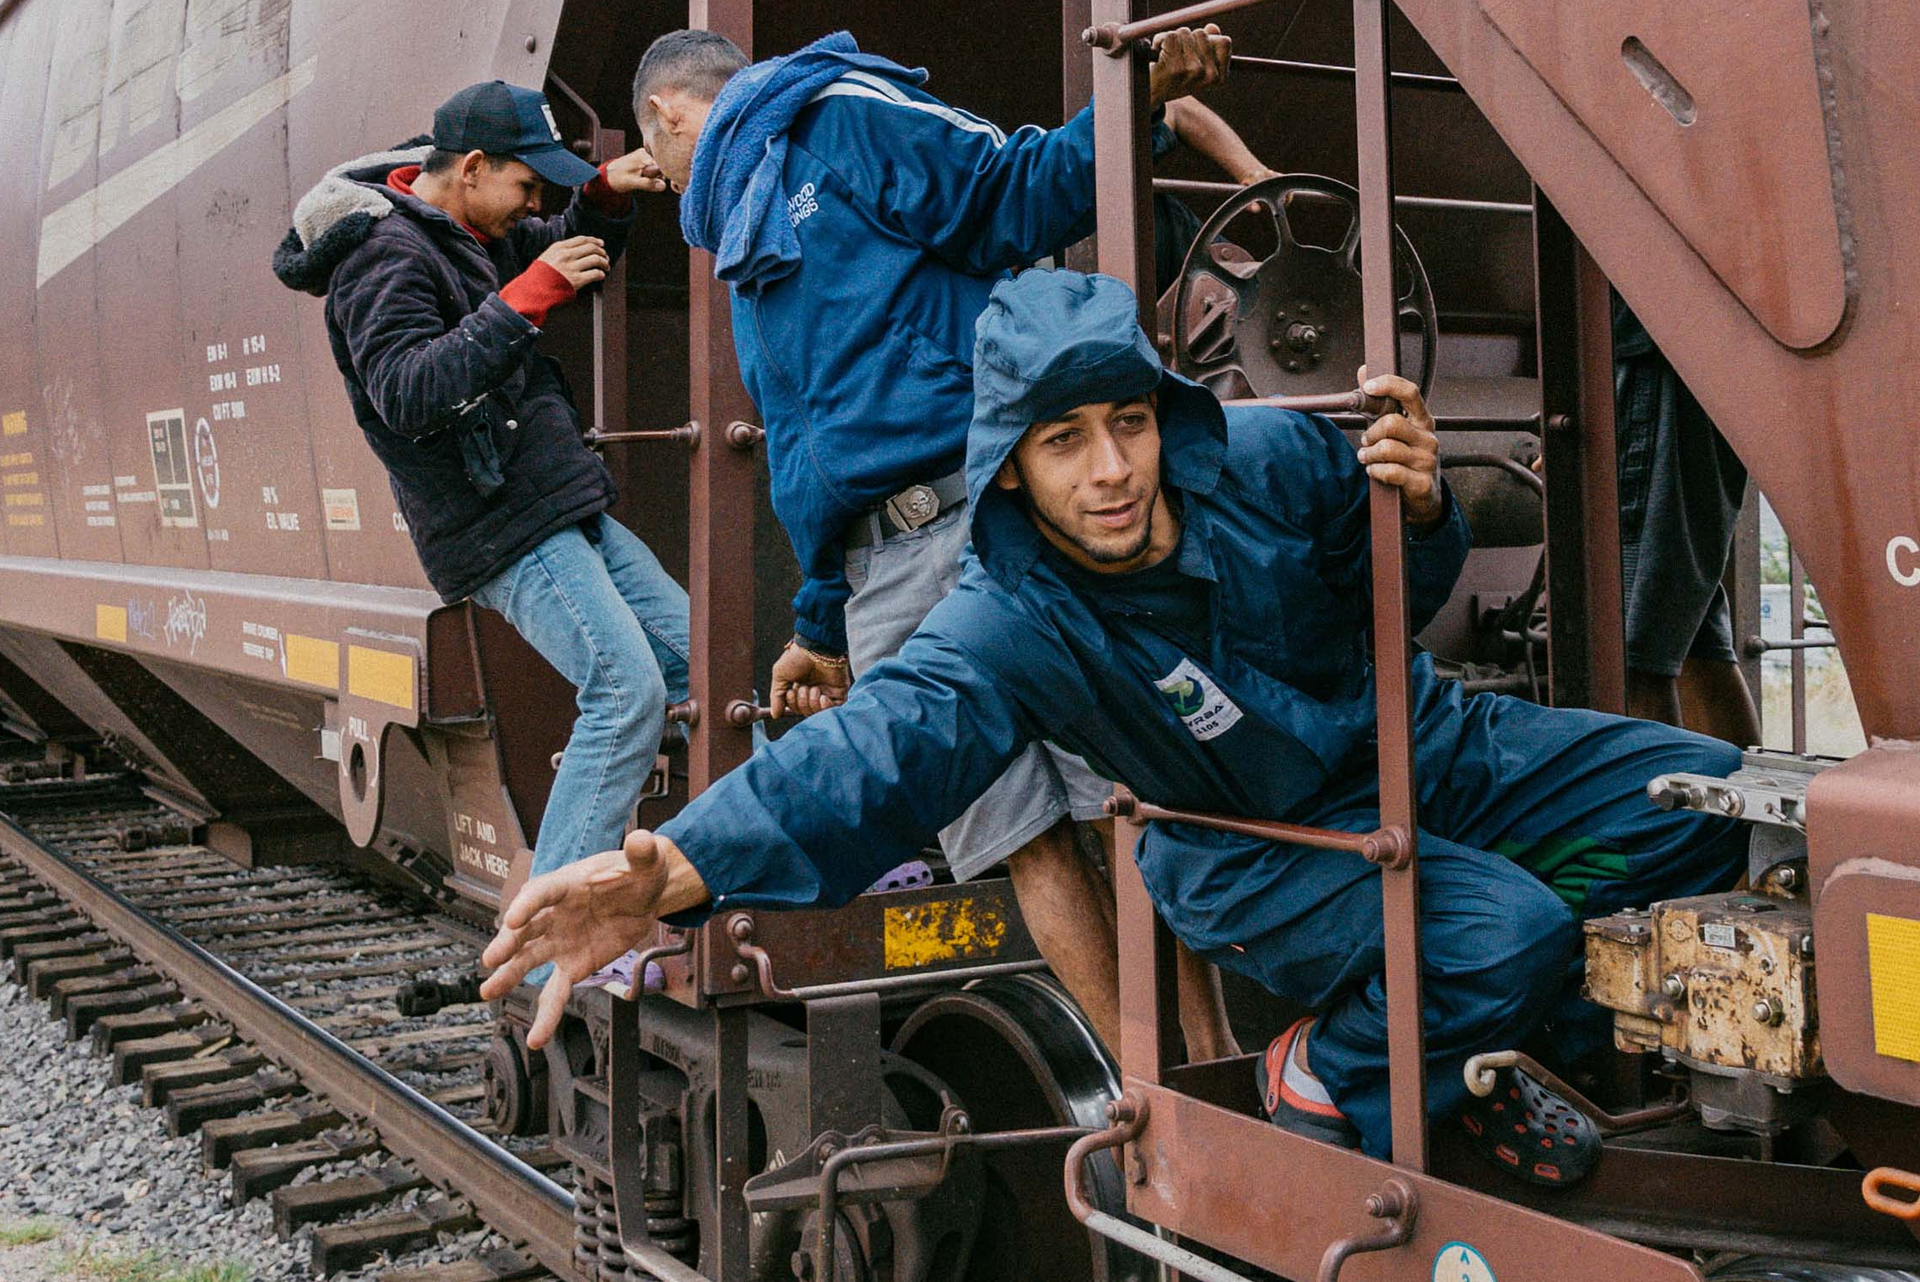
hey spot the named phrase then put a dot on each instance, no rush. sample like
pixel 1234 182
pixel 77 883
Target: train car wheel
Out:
pixel 1019 1054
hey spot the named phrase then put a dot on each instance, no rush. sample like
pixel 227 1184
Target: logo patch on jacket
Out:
pixel 802 205
pixel 1197 701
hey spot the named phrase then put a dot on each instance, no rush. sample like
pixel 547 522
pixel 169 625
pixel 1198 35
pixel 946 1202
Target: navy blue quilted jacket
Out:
pixel 478 431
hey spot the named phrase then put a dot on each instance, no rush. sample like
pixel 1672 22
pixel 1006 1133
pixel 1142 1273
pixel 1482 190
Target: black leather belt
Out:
pixel 910 509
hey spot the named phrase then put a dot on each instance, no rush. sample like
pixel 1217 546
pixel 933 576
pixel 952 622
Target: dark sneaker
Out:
pixel 1291 1111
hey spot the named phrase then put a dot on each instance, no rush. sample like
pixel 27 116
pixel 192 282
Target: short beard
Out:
pixel 1099 556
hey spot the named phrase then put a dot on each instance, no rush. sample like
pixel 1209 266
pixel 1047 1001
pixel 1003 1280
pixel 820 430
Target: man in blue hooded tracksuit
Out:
pixel 1180 592
pixel 861 224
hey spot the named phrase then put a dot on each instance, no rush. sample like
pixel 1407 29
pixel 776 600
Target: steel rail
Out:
pixel 509 1195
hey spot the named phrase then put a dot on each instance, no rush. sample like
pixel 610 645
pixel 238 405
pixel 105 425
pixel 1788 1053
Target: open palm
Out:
pixel 580 918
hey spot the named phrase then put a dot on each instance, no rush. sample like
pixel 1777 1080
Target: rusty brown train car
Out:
pixel 203 575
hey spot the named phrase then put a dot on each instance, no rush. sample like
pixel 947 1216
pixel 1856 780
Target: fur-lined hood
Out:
pixel 337 216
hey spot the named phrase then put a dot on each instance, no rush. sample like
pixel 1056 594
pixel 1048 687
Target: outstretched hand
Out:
pixel 1403 449
pixel 585 915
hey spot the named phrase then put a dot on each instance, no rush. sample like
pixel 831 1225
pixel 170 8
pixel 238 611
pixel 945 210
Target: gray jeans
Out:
pixel 895 582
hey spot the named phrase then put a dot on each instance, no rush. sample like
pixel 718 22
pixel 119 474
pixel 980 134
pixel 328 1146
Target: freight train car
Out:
pixel 203 574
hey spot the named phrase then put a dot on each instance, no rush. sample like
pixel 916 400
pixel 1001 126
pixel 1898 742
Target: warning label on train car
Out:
pixel 1893 970
pixel 342 509
pixel 943 931
pixel 173 471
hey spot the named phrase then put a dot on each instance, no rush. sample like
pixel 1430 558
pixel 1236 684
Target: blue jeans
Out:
pixel 606 615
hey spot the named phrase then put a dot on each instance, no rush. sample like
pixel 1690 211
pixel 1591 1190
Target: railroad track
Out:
pixel 257 1007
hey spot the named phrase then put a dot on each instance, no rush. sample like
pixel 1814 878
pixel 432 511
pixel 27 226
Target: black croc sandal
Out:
pixel 1531 1133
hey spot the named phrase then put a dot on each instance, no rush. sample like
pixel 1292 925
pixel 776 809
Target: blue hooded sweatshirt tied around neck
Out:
pixel 734 206
pixel 862 224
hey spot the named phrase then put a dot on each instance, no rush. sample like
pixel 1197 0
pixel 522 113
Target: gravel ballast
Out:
pixel 87 1159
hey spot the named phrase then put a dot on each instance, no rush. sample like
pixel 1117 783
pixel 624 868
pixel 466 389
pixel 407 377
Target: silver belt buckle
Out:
pixel 914 506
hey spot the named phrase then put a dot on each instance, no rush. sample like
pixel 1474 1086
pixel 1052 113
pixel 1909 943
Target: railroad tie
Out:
pixel 84 1010
pixel 27 900
pixel 130 976
pixel 40 976
pixel 346 1246
pixel 256 1172
pixel 161 1082
pixel 333 1199
pixel 131 1056
pixel 91 941
pixel 502 1264
pixel 191 1107
pixel 301 1119
pixel 30 928
pixel 114 1030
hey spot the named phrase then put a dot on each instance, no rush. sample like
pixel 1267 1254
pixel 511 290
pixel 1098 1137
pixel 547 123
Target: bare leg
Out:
pixel 1203 1010
pixel 1652 697
pixel 1715 700
pixel 1068 908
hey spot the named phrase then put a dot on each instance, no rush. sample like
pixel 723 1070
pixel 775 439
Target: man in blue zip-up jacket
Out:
pixel 861 224
pixel 1189 608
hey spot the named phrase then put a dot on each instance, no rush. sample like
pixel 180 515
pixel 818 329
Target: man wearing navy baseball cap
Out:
pixel 438 275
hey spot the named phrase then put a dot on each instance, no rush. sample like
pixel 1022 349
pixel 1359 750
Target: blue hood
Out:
pixel 734 206
pixel 1050 341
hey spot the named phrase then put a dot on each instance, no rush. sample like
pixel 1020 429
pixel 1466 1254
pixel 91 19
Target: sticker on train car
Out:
pixel 942 931
pixel 172 468
pixel 1893 976
pixel 342 509
pixel 1458 1262
pixel 206 461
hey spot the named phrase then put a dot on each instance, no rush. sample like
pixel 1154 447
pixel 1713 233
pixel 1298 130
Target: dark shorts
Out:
pixel 1680 490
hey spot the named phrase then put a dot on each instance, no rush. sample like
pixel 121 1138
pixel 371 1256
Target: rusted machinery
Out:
pixel 200 569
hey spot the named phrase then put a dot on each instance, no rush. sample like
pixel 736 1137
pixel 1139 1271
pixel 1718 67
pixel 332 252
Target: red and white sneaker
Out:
pixel 1287 1108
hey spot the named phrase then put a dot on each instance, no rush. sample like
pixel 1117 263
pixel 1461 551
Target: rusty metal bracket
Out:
pixel 1398 1205
pixel 679 945
pixel 754 962
pixel 687 433
pixel 744 712
pixel 1874 1190
pixel 1389 847
pixel 1129 1116
pixel 1117 38
pixel 1482 1070
pixel 744 436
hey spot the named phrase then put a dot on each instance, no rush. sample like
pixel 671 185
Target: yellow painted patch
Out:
pixel 110 623
pixel 1893 970
pixel 13 423
pixel 312 660
pixel 381 675
pixel 942 931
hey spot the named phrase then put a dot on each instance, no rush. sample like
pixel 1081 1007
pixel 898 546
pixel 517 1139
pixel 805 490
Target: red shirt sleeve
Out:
pixel 536 291
pixel 614 204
